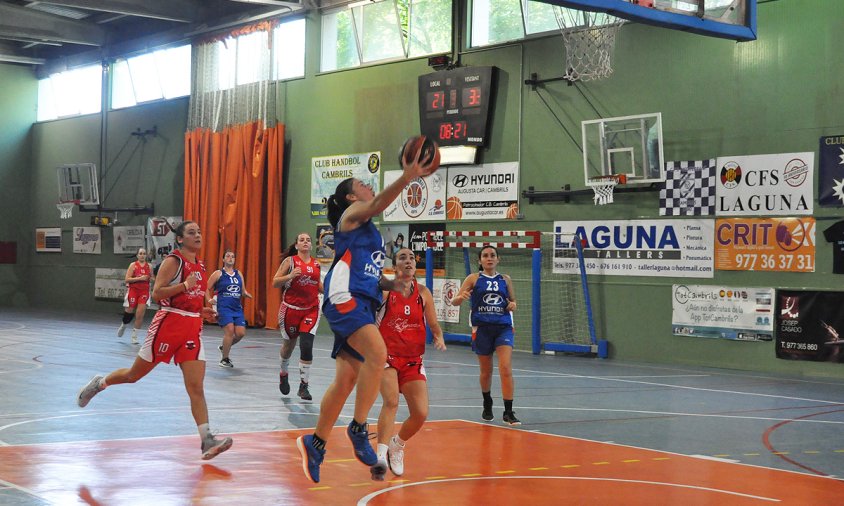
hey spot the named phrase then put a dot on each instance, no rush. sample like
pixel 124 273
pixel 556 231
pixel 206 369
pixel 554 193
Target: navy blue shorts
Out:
pixel 485 338
pixel 346 320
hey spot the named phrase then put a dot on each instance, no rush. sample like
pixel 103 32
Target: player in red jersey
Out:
pixel 138 276
pixel 175 333
pixel 298 315
pixel 402 319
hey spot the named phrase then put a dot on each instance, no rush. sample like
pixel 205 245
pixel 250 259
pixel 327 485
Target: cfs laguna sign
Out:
pixel 765 185
pixel 639 247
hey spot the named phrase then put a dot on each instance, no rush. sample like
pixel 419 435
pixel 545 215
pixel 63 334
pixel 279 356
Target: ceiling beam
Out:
pixel 184 11
pixel 22 23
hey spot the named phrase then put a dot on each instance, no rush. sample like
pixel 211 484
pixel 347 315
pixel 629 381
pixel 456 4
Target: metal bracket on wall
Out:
pixel 134 210
pixel 565 194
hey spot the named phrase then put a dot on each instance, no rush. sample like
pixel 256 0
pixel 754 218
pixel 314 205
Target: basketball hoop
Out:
pixel 603 187
pixel 66 209
pixel 589 38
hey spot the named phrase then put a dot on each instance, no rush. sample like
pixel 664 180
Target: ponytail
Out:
pixel 337 203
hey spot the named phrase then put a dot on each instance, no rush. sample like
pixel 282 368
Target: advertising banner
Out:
pixel 323 245
pixel 48 240
pixel 483 192
pixel 423 199
pixel 328 171
pixel 810 325
pixel 127 240
pixel 743 314
pixel 674 247
pixel 87 240
pixel 765 185
pixel 765 244
pixel 161 241
pixel 445 290
pixel 831 171
pixel 110 284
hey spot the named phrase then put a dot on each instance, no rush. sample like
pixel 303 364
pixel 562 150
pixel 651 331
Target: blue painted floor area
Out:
pixel 785 423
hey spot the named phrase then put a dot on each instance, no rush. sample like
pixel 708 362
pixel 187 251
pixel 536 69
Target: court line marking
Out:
pixel 8 484
pixel 679 387
pixel 365 499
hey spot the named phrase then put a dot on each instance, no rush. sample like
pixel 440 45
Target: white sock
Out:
pixel 204 430
pixel 285 363
pixel 382 451
pixel 304 371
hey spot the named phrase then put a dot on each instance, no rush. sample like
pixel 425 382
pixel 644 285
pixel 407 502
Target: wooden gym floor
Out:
pixel 594 432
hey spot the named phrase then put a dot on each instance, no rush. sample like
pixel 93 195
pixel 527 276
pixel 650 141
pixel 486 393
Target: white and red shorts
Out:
pixel 173 336
pixel 407 368
pixel 293 321
pixel 135 296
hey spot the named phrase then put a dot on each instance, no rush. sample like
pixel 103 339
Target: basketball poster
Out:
pixel 444 290
pixel 127 240
pixel 395 238
pixel 48 240
pixel 810 325
pixel 329 171
pixel 483 192
pixel 323 246
pixel 418 234
pixel 765 244
pixel 87 240
pixel 831 171
pixel 422 199
pixel 765 185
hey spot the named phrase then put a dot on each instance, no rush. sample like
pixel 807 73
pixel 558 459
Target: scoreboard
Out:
pixel 454 105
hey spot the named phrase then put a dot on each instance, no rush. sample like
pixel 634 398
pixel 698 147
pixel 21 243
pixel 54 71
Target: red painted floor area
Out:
pixel 449 462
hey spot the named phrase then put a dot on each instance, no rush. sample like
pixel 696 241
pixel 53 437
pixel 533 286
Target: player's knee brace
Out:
pixel 306 347
pixel 127 317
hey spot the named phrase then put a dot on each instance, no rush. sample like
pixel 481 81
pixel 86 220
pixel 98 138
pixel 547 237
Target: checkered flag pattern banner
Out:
pixel 689 189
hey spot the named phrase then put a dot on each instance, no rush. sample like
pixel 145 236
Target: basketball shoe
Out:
pixel 211 446
pixel 121 329
pixel 304 393
pixel 311 457
pixel 487 412
pixel 360 442
pixel 283 383
pixel 89 391
pixel 510 418
pixel 395 456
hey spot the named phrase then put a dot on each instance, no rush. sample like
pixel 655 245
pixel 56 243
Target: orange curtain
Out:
pixel 233 191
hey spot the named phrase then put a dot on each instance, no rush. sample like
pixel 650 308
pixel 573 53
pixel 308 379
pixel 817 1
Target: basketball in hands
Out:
pixel 423 147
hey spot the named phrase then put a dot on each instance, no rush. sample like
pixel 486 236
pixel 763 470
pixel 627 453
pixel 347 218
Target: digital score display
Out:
pixel 454 105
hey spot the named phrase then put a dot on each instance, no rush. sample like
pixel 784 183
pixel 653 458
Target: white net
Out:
pixel 603 186
pixel 589 38
pixel 563 315
pixel 65 209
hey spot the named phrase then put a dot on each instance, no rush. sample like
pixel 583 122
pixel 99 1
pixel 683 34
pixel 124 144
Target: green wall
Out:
pixel 138 173
pixel 717 97
pixel 17 103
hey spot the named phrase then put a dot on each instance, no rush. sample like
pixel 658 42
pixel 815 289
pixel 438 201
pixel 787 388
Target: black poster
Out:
pixel 418 244
pixel 810 325
pixel 831 171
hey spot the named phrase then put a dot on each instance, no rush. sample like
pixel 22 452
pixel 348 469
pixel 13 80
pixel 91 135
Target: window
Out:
pixel 70 93
pixel 369 32
pixel 162 74
pixel 289 49
pixel 495 21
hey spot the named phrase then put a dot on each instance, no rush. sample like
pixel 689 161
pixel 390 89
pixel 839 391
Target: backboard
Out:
pixel 628 145
pixel 78 183
pixel 728 19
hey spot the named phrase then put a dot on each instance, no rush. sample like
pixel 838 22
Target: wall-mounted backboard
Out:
pixel 78 183
pixel 629 145
pixel 728 19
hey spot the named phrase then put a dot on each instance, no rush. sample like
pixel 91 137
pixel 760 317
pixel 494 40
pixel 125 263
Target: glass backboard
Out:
pixel 628 145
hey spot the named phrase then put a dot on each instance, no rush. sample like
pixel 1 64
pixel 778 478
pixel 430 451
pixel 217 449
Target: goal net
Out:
pixel 554 310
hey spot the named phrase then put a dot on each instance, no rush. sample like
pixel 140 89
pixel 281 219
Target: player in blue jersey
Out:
pixel 493 301
pixel 227 283
pixel 352 295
